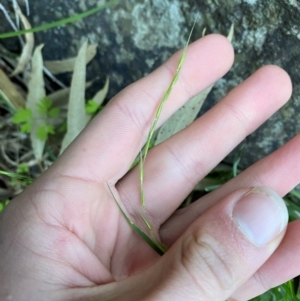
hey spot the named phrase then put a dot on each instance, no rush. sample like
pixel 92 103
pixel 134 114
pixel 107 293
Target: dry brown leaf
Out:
pixel 100 95
pixel 36 92
pixel 67 65
pixel 60 98
pixel 10 92
pixel 76 119
pixel 183 117
pixel 29 45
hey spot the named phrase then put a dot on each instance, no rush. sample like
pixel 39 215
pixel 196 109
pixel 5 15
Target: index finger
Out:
pixel 105 150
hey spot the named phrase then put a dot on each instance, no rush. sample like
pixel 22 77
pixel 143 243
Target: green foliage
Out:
pixel 43 131
pixel 22 169
pixel 23 117
pixel 44 105
pixel 91 107
pixel 284 292
pixel 24 180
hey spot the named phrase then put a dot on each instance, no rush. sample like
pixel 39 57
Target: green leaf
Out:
pixel 63 128
pixel 22 115
pixel 22 168
pixel 26 127
pixel 91 107
pixel 44 105
pixel 50 129
pixel 42 133
pixel 53 112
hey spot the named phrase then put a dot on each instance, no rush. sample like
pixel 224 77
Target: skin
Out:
pixel 64 238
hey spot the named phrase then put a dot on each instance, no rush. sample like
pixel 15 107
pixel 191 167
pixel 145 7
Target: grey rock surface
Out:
pixel 136 36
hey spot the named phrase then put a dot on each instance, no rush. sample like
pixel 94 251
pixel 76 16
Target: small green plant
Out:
pixel 91 107
pixel 22 169
pixel 23 117
pixel 45 108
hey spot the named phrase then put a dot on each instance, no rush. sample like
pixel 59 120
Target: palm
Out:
pixel 85 230
pixel 66 230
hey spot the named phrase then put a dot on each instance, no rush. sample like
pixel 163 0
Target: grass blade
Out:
pixel 16 176
pixel 237 161
pixel 155 245
pixel 65 21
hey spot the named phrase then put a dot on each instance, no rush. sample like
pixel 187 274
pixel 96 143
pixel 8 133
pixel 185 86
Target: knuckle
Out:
pixel 241 118
pixel 209 264
pixel 190 168
pixel 262 280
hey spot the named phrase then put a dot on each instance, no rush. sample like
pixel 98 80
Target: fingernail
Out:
pixel 261 215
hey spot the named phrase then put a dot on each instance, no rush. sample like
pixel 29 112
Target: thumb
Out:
pixel 223 248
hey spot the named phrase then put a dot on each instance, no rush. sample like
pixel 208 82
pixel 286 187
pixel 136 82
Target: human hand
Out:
pixel 64 238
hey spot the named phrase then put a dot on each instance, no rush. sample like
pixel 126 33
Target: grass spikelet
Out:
pixel 145 150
